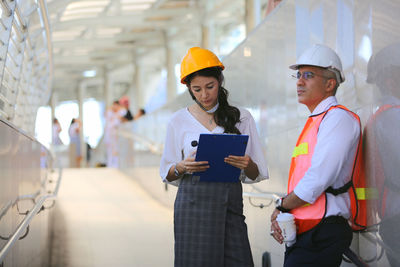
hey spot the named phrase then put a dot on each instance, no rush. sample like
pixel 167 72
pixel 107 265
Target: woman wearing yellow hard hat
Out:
pixel 209 225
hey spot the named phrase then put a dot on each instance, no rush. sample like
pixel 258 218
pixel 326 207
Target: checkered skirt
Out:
pixel 209 225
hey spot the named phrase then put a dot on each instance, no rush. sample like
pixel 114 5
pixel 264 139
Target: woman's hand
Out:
pixel 189 165
pixel 276 231
pixel 244 163
pixel 241 162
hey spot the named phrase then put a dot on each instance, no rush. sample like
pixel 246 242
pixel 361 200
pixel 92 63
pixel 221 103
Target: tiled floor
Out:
pixel 104 218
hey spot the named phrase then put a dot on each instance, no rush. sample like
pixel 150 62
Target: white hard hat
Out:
pixel 321 56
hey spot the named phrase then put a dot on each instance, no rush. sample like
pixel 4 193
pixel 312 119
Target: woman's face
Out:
pixel 205 89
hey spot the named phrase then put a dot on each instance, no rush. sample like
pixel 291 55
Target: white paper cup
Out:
pixel 288 227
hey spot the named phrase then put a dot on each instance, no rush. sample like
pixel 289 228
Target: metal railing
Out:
pixel 151 146
pixel 23 228
pixel 38 198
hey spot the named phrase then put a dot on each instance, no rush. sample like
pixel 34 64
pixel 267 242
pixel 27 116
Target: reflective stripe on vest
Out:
pixel 301 149
pixel 308 216
pixel 367 193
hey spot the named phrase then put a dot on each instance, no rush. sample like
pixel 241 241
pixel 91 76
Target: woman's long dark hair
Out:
pixel 226 115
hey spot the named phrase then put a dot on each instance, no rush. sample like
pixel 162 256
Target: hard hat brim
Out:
pixel 218 66
pixel 297 66
pixel 341 75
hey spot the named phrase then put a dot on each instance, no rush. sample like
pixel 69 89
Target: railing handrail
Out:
pixel 11 203
pixel 38 203
pixel 28 218
pixel 354 258
pixel 154 148
pixel 23 225
pixel 264 195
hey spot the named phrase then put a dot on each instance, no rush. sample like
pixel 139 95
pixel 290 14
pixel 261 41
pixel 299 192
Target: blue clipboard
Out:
pixel 214 148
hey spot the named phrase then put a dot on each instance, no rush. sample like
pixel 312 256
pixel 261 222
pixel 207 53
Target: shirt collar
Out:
pixel 325 105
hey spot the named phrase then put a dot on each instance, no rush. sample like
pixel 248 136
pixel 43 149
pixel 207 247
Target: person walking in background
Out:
pixel 322 165
pixel 113 118
pixel 56 129
pixel 124 102
pixel 209 226
pixel 75 142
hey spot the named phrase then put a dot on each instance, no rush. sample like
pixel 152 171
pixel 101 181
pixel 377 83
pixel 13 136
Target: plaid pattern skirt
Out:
pixel 209 225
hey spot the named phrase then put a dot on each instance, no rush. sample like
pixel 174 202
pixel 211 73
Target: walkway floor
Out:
pixel 104 218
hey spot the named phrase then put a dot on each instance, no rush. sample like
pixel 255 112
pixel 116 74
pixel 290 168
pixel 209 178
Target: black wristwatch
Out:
pixel 278 205
pixel 176 172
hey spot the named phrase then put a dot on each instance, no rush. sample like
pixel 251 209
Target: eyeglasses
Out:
pixel 307 75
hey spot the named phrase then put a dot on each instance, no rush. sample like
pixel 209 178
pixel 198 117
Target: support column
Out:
pixel 137 81
pixel 81 98
pixel 252 16
pixel 53 104
pixel 170 65
pixel 106 88
pixel 205 36
pixel 131 89
pixel 208 27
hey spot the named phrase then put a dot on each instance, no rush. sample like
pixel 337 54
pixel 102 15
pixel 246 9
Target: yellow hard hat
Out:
pixel 197 59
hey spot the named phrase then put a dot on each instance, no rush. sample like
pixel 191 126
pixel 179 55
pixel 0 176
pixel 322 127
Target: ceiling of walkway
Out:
pixel 102 35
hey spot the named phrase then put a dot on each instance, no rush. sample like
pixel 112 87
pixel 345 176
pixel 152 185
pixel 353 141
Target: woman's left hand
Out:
pixel 244 163
pixel 241 162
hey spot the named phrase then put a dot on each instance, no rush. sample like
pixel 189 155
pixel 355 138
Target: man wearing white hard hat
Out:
pixel 322 164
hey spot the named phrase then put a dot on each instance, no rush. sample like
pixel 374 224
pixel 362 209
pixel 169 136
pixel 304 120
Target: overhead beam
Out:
pixel 123 20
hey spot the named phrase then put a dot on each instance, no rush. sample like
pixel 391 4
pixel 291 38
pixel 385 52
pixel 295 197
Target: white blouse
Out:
pixel 183 128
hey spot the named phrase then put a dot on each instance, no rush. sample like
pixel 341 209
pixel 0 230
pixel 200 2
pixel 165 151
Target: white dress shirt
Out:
pixel 183 128
pixel 332 161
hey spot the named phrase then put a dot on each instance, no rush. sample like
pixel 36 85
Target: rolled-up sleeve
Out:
pixel 171 154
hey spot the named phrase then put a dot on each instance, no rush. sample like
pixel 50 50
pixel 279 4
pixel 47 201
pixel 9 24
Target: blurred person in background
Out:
pixel 124 102
pixel 56 129
pixel 209 225
pixel 113 116
pixel 75 143
pixel 382 147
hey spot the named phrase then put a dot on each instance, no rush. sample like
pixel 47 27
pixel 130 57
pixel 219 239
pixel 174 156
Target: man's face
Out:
pixel 313 89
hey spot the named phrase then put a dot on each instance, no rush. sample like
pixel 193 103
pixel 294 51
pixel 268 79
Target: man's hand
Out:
pixel 276 231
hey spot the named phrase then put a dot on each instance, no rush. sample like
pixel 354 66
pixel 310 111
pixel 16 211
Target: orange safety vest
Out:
pixel 310 215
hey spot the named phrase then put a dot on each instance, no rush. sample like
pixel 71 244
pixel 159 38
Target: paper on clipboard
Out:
pixel 214 148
